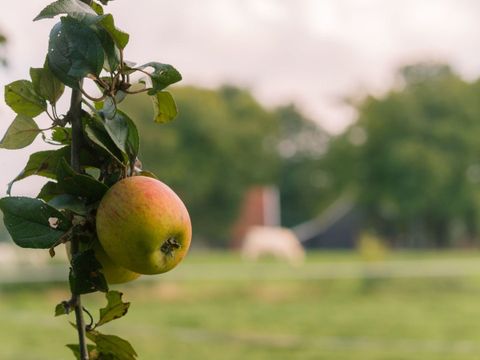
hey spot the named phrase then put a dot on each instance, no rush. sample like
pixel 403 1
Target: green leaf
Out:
pixel 133 140
pixel 74 51
pixel 90 348
pixel 124 134
pixel 119 37
pixel 22 98
pixel 20 133
pixel 85 275
pixel 42 163
pixel 86 51
pixel 109 108
pixel 120 96
pixel 113 345
pixel 62 135
pixel 97 8
pixel 112 54
pixel 80 185
pixel 95 131
pixel 49 191
pixel 46 84
pixel 32 223
pixel 59 58
pixel 68 202
pixel 117 128
pixel 115 308
pixel 74 8
pixel 162 76
pixel 129 67
pixel 62 309
pixel 164 107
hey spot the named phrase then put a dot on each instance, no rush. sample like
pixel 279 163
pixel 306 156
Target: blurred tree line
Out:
pixel 413 159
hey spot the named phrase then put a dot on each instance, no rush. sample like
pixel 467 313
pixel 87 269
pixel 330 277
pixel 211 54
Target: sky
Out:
pixel 314 53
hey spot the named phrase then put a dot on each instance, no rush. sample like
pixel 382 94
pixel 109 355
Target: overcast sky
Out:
pixel 312 52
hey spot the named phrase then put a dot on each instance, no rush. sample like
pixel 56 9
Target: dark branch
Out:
pixel 75 117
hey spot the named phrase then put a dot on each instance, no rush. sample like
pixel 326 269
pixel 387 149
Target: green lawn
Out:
pixel 413 306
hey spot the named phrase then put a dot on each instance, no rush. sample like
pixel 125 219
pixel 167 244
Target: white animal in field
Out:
pixel 272 241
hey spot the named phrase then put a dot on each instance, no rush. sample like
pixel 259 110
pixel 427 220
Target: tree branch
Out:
pixel 75 116
pixel 77 138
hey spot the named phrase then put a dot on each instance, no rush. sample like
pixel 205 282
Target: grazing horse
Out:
pixel 272 241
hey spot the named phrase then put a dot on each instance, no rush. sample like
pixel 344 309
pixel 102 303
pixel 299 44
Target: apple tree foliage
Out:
pixel 86 54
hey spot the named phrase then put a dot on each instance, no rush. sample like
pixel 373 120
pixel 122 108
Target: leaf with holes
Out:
pixel 32 223
pixel 115 308
pixel 162 76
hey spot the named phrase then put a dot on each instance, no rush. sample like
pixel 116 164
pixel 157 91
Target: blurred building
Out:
pixel 338 227
pixel 260 207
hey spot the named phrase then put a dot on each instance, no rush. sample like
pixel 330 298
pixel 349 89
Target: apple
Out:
pixel 143 225
pixel 114 274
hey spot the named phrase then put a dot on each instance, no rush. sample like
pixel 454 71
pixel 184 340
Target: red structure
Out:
pixel 261 206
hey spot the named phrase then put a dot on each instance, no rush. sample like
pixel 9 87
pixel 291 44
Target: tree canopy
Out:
pixel 413 158
pixel 302 182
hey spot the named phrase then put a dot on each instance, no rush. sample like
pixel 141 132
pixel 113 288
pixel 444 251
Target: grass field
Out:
pixel 412 306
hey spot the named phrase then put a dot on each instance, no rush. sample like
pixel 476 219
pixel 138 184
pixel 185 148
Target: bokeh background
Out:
pixel 352 125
